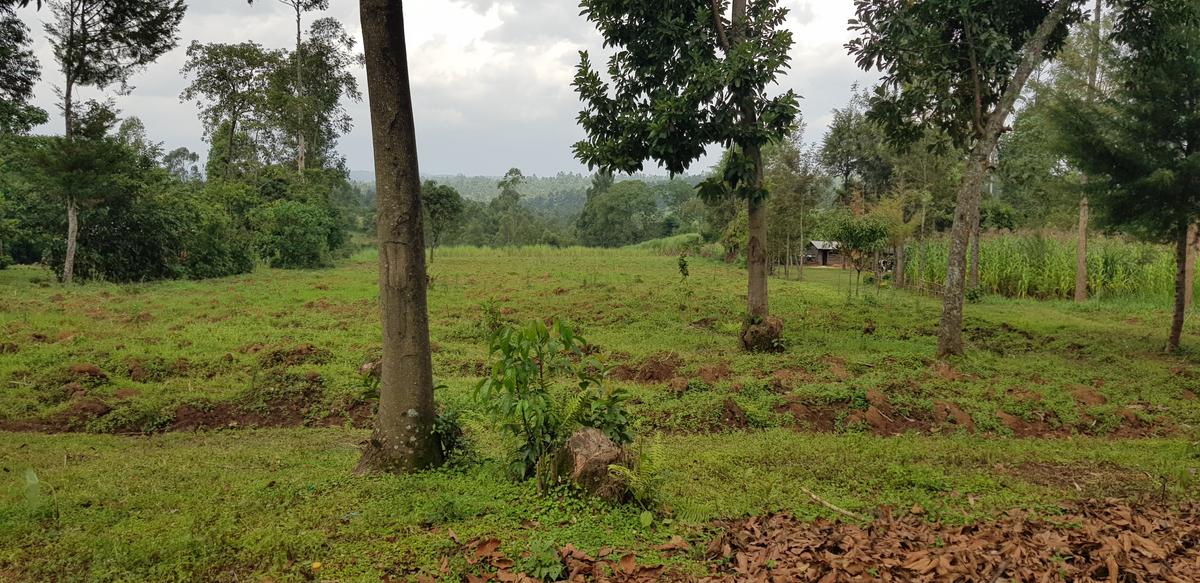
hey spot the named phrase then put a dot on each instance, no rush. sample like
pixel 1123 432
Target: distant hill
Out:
pixel 484 189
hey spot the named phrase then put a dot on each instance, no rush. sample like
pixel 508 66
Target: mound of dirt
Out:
pixel 87 370
pixel 658 369
pixel 299 354
pixel 713 373
pixel 1094 541
pixel 733 416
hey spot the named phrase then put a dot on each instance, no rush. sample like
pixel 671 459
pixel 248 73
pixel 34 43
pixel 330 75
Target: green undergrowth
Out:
pixel 269 503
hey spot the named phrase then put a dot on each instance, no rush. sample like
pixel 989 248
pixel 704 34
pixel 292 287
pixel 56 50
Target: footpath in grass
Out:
pixel 136 455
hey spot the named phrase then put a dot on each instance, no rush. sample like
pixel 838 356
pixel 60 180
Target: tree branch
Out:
pixel 721 38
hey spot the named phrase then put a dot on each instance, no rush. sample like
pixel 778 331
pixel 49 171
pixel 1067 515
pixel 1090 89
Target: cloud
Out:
pixel 490 78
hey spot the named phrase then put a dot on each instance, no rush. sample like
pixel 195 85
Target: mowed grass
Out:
pixel 255 504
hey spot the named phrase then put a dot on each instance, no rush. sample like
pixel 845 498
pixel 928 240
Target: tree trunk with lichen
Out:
pixel 403 438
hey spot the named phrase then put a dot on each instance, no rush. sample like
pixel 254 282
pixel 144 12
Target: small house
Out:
pixel 820 252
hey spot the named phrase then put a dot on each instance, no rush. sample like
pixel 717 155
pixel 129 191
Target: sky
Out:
pixel 491 80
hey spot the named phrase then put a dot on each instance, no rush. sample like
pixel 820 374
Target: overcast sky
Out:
pixel 491 80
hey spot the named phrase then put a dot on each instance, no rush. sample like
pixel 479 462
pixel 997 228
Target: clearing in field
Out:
pixel 206 431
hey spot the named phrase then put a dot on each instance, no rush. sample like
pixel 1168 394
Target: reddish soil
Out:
pixel 714 372
pixel 299 354
pixel 1088 397
pixel 659 368
pixel 733 416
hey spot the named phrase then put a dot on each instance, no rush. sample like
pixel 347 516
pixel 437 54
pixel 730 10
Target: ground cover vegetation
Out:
pixel 578 377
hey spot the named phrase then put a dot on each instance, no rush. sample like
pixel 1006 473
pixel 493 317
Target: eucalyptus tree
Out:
pixel 19 71
pixel 957 66
pixel 98 43
pixel 1142 142
pixel 299 110
pixel 229 83
pixel 687 74
pixel 403 438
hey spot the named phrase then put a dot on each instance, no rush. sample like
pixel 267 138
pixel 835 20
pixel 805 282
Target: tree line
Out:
pixel 103 201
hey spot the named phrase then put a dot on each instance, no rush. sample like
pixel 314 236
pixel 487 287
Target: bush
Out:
pixel 293 234
pixel 521 394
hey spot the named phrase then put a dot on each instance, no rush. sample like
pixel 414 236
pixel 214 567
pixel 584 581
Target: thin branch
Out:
pixel 832 506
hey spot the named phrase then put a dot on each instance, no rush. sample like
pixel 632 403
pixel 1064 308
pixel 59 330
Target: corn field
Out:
pixel 1040 265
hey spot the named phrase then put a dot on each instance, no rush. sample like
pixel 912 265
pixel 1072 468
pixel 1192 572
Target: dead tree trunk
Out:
pixel 968 199
pixel 403 438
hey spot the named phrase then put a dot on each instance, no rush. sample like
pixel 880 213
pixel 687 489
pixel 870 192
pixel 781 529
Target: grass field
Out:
pixel 105 478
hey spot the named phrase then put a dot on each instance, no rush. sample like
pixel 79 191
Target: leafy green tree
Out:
pixel 443 207
pixel 298 103
pixel 958 67
pixel 853 149
pixel 623 215
pixel 229 83
pixel 1142 142
pixel 98 43
pixel 688 74
pixel 860 238
pixel 19 71
pixel 183 164
pixel 306 94
pixel 792 175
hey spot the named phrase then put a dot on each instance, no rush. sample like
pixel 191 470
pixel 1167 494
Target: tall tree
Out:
pixel 1143 141
pixel 852 149
pixel 229 83
pixel 299 106
pixel 19 71
pixel 687 74
pixel 403 438
pixel 957 66
pixel 1081 271
pixel 101 42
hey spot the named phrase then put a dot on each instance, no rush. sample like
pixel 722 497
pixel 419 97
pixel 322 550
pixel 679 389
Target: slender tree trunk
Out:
pixel 1081 274
pixel 803 249
pixel 1189 278
pixel 301 146
pixel 1181 257
pixel 901 278
pixel 976 234
pixel 967 205
pixel 229 147
pixel 1081 254
pixel 72 238
pixel 68 275
pixel 403 438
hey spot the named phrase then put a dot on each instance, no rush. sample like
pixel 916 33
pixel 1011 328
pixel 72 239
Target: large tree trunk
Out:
pixel 1189 277
pixel 976 234
pixel 756 260
pixel 403 438
pixel 1081 253
pixel 969 191
pixel 1181 257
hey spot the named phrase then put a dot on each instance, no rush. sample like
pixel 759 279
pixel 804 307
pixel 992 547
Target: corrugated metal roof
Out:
pixel 826 245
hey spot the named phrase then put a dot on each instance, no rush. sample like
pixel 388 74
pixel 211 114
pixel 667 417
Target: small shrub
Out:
pixel 520 393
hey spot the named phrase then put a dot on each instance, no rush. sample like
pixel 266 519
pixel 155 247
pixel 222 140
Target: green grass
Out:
pixel 253 504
